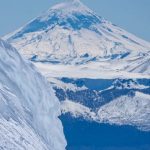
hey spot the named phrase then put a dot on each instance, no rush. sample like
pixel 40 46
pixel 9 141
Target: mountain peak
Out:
pixel 70 14
pixel 70 5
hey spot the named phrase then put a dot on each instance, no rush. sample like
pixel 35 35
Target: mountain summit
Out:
pixel 71 33
pixel 70 5
pixel 71 14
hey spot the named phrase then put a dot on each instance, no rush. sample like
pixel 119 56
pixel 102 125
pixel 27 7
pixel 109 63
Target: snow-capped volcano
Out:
pixel 72 33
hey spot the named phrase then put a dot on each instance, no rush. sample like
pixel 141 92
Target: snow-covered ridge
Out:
pixel 124 110
pixel 128 111
pixel 77 110
pixel 28 107
pixel 113 101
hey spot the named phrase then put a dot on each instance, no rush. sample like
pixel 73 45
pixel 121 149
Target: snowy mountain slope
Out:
pixel 124 110
pixel 78 110
pixel 72 33
pixel 114 101
pixel 91 70
pixel 128 111
pixel 28 106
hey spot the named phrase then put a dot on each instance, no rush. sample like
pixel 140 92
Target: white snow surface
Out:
pixel 128 111
pixel 90 70
pixel 77 110
pixel 65 86
pixel 28 107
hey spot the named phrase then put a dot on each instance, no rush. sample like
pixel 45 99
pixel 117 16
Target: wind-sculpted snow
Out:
pixel 28 107
pixel 71 33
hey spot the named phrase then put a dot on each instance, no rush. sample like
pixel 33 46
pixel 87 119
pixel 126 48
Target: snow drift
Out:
pixel 28 107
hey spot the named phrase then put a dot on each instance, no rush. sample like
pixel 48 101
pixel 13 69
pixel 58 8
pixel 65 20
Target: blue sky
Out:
pixel 132 15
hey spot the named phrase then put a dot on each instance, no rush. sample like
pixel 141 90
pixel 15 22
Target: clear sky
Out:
pixel 132 15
